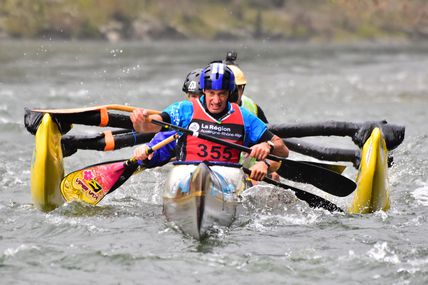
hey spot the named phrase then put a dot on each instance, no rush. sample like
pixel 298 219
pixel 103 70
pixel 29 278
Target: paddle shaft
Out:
pixel 161 144
pixel 92 116
pixel 117 172
pixel 115 107
pixel 131 165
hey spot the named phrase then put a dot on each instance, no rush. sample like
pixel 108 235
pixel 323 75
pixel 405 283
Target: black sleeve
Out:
pixel 261 115
pixel 267 136
pixel 165 117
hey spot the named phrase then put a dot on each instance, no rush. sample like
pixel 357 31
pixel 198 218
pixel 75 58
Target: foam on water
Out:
pixel 381 252
pixel 421 194
pixel 9 252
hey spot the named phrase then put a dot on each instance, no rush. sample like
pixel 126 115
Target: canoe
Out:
pixel 198 197
pixel 47 171
pixel 372 192
pixel 47 167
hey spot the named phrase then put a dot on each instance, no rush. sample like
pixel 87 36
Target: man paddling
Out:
pixel 213 114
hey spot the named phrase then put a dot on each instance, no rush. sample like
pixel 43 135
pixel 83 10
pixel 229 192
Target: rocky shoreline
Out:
pixel 110 20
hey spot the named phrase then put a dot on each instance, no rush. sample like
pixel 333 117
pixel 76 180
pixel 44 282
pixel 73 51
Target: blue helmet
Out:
pixel 217 76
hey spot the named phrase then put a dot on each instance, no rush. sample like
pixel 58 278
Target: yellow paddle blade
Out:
pixel 91 184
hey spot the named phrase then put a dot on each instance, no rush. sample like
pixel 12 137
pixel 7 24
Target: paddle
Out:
pixel 338 168
pixel 314 201
pixel 92 183
pixel 116 107
pixel 321 178
pixel 92 116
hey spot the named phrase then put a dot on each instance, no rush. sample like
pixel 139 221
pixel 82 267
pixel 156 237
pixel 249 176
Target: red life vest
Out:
pixel 230 128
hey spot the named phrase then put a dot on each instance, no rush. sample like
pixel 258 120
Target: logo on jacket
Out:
pixel 194 127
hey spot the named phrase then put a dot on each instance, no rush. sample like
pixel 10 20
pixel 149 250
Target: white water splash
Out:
pixel 415 265
pixel 22 247
pixel 382 252
pixel 421 195
pixel 73 221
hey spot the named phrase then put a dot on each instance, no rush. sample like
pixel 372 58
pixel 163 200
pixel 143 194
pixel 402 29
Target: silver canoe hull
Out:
pixel 198 197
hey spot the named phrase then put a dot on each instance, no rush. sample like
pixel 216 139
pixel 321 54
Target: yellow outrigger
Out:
pixel 372 192
pixel 47 166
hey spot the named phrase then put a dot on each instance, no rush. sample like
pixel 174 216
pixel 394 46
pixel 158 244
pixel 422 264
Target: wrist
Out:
pixel 271 146
pixel 267 163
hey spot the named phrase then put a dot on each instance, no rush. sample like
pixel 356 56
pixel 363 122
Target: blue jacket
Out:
pixel 164 154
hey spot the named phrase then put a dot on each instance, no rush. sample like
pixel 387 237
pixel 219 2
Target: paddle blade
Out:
pixel 338 168
pixel 91 184
pixel 313 200
pixel 324 179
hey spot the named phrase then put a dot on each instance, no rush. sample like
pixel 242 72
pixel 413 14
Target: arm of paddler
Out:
pixel 273 165
pixel 261 150
pixel 259 170
pixel 141 121
pixel 160 156
pixel 280 149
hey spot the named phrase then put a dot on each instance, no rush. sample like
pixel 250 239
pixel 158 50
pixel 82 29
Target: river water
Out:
pixel 126 240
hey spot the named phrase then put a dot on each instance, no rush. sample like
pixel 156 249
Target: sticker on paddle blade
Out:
pixel 90 185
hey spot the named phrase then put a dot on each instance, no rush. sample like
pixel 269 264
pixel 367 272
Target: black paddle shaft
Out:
pixel 321 178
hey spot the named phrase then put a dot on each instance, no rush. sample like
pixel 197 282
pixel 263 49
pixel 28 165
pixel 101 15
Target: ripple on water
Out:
pixel 270 210
pixel 421 194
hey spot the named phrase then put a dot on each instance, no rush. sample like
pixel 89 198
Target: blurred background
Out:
pixel 271 20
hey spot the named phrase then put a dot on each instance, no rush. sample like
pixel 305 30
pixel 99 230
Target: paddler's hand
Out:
pixel 140 119
pixel 258 171
pixel 260 151
pixel 140 153
pixel 275 176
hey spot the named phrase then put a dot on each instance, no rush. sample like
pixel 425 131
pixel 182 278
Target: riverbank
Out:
pixel 274 20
